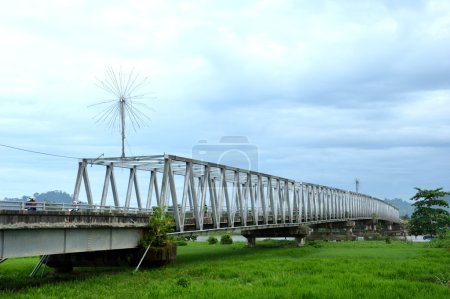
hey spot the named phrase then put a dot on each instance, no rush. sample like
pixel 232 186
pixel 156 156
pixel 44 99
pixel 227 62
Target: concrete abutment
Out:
pixel 155 257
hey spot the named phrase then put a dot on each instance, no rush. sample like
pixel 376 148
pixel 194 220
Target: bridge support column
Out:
pixel 298 232
pixel 300 241
pixel 156 256
pixel 251 241
pixel 349 230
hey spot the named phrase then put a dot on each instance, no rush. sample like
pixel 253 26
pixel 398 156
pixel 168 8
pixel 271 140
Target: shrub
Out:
pixel 159 224
pixel 226 239
pixel 181 241
pixel 191 238
pixel 183 282
pixel 315 244
pixel 212 240
pixel 442 241
pixel 387 239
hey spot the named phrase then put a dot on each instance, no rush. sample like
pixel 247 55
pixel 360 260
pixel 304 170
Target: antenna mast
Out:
pixel 357 185
pixel 123 107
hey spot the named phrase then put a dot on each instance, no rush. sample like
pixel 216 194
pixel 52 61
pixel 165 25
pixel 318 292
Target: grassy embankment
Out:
pixel 334 270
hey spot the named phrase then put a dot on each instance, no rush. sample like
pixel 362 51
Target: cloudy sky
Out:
pixel 328 91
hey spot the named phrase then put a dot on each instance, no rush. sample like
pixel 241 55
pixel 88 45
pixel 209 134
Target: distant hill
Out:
pixel 56 196
pixel 406 207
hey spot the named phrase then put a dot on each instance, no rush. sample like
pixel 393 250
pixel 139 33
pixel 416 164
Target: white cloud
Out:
pixel 326 90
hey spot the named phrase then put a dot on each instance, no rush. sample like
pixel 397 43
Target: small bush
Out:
pixel 226 239
pixel 442 241
pixel 315 244
pixel 181 241
pixel 387 239
pixel 159 225
pixel 183 282
pixel 212 240
pixel 191 238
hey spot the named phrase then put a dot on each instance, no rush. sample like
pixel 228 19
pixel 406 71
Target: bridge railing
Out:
pixel 69 207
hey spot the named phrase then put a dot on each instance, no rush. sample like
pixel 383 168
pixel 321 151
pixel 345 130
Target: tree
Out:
pixel 159 225
pixel 405 217
pixel 428 217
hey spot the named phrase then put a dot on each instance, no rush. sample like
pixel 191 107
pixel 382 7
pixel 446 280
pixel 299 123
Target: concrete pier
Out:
pixel 298 232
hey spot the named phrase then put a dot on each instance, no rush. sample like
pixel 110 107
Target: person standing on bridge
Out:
pixel 30 205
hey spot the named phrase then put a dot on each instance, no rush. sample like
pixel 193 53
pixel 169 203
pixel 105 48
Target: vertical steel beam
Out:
pixel 241 202
pixel 150 189
pixel 136 190
pixel 236 195
pixel 311 202
pixel 76 192
pixel 316 202
pixel 281 200
pixel 173 192
pixel 339 204
pixel 216 200
pixel 301 203
pixel 203 190
pixel 106 185
pixel 348 203
pixel 335 203
pixel 197 211
pixel 220 194
pixel 288 199
pixel 130 187
pixel 114 188
pixel 224 187
pixel 272 203
pixel 262 199
pixel 333 212
pixel 321 202
pixel 330 203
pixel 295 204
pixel 164 183
pixel 252 199
pixel 213 200
pixel 87 186
pixel 184 195
pixel 304 190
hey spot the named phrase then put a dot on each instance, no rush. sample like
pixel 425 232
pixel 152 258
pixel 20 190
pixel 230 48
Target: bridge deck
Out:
pixel 24 233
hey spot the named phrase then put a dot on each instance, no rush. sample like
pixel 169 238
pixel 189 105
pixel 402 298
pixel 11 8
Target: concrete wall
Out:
pixel 24 233
pixel 32 242
pixel 61 219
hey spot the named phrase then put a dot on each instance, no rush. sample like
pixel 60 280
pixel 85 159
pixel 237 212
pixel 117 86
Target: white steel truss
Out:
pixel 229 196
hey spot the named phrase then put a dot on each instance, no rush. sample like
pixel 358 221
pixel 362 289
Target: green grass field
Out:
pixel 334 270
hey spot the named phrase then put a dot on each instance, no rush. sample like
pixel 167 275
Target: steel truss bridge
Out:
pixel 252 198
pixel 201 196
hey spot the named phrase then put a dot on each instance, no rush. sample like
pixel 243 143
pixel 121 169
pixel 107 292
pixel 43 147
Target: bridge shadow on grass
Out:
pixel 14 282
pixel 15 277
pixel 194 253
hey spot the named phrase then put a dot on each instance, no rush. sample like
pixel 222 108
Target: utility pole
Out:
pixel 357 185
